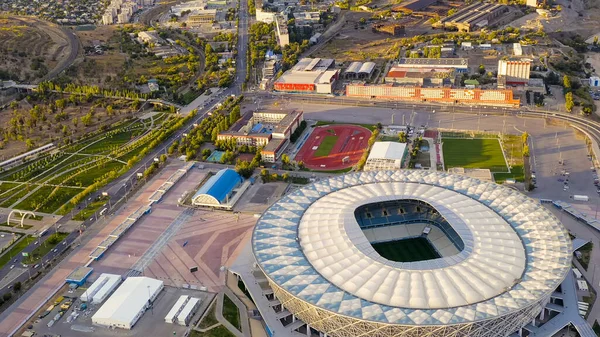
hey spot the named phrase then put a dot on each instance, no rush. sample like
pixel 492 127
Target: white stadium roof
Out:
pixel 314 253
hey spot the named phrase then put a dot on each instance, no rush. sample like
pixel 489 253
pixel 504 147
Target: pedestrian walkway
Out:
pixel 242 311
pixel 256 327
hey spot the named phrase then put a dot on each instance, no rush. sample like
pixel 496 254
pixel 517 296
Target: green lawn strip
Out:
pixel 371 127
pixel 91 208
pixel 36 199
pixel 62 196
pixel 231 312
pixel 516 173
pixel 44 248
pixel 109 143
pixel 348 169
pixel 209 319
pixel 326 146
pixel 219 331
pixel 89 176
pixel 389 139
pixel 473 153
pixel 15 249
pixel 4 187
pixel 7 202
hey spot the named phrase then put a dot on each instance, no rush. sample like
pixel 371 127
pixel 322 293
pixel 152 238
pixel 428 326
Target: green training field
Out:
pixel 326 146
pixel 408 250
pixel 474 153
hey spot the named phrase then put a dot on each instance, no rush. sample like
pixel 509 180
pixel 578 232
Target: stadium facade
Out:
pixel 501 255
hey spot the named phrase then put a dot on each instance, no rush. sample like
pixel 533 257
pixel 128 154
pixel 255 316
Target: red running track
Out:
pixel 352 142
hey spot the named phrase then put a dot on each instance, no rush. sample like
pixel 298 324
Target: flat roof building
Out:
pixel 459 64
pixel 101 288
pixel 310 76
pixel 476 15
pixel 188 311
pixel 419 76
pixel 176 309
pixel 79 275
pixel 513 72
pixel 128 303
pixel 218 189
pixel 385 156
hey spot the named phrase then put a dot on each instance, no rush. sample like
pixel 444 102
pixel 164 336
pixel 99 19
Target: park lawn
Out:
pixel 231 312
pixel 516 172
pixel 109 143
pixel 89 176
pixel 326 146
pixel 209 319
pixel 4 187
pixel 408 250
pixel 474 153
pixel 36 199
pixel 44 248
pixel 91 208
pixel 61 197
pixel 16 196
pixel 219 331
pixel 15 249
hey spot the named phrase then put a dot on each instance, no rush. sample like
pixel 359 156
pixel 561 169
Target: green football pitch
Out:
pixel 474 153
pixel 326 146
pixel 408 250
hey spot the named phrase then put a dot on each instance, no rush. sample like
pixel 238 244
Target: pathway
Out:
pixel 242 310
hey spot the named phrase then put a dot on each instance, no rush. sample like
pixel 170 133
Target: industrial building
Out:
pixel 447 95
pixel 101 288
pixel 79 275
pixel 460 65
pixel 200 17
pixel 392 29
pixel 360 70
pixel 128 303
pixel 419 76
pixel 309 76
pixel 219 189
pixel 385 156
pixel 414 5
pixel 183 310
pixel 474 16
pixel 513 73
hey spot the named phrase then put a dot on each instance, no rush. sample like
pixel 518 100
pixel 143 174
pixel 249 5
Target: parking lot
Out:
pixel 152 323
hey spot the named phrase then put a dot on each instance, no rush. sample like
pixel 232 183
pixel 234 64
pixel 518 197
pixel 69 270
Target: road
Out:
pixel 73 52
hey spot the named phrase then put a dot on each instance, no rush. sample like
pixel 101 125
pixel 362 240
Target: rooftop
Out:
pixel 387 150
pixel 220 185
pixel 435 62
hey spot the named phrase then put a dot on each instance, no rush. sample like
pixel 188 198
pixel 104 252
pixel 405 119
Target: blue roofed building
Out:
pixel 218 189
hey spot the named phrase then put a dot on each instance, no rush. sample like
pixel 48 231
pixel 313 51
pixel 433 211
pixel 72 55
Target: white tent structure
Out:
pixel 128 303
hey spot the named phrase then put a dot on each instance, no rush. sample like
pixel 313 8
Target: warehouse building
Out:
pixel 414 5
pixel 200 17
pixel 513 73
pixel 385 156
pixel 460 65
pixel 128 303
pixel 475 16
pixel 419 76
pixel 101 288
pixel 309 76
pixel 218 190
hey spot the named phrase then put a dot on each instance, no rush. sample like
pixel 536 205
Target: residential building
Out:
pixel 283 36
pixel 107 19
pixel 250 139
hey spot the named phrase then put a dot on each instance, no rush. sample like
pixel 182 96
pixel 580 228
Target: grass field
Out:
pixel 371 127
pixel 231 312
pixel 326 146
pixel 15 249
pixel 219 331
pixel 408 250
pixel 474 153
pixel 44 248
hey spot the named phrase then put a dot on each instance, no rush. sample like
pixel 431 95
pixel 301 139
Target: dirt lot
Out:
pixel 29 47
pixel 34 120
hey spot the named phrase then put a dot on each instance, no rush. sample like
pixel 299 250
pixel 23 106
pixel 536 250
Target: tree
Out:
pixel 6 297
pixel 524 137
pixel 75 121
pixel 379 126
pixel 87 119
pixel 29 143
pixel 163 158
pixel 285 159
pixel 109 110
pixel 595 40
pixel 481 69
pixel 17 287
pixel 566 82
pixel 285 176
pixel 569 104
pixel 402 137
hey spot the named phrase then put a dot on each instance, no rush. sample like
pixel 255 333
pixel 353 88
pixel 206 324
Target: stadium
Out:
pixel 411 253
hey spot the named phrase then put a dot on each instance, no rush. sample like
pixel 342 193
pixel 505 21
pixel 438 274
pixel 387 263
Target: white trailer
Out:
pixel 578 197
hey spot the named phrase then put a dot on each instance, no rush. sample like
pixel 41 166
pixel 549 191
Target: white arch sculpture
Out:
pixel 23 214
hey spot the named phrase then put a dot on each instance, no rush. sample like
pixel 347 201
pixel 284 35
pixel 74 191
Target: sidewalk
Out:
pixel 256 327
pixel 242 310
